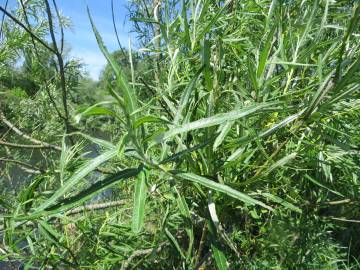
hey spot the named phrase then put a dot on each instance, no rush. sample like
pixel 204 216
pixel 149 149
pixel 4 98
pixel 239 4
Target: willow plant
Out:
pixel 242 154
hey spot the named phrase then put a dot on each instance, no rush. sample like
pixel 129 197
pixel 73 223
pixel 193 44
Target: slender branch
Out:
pixel 345 220
pixel 93 207
pixel 142 253
pixel 61 27
pixel 53 102
pixel 33 38
pixel 202 260
pixel 61 69
pixel 162 104
pixel 27 30
pixel 25 166
pixel 25 136
pixel 201 244
pixel 39 60
pixel 27 146
pixel 96 206
pixel 3 19
pixel 157 38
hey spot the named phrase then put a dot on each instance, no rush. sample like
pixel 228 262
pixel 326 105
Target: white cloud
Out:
pixel 94 61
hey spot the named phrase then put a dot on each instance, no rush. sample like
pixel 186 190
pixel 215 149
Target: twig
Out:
pixel 2 19
pixel 345 220
pixel 339 202
pixel 93 207
pixel 27 146
pixel 25 166
pixel 61 27
pixel 33 37
pixel 202 261
pixel 61 69
pixel 29 27
pixel 163 105
pixel 201 244
pixel 25 136
pixel 144 252
pixel 90 207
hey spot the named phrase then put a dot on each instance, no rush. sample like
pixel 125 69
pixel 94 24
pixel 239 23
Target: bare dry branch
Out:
pixel 25 136
pixel 25 166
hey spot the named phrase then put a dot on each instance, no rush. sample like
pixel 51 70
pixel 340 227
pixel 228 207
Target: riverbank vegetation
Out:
pixel 227 138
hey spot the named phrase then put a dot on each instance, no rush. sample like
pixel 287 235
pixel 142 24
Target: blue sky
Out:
pixel 80 37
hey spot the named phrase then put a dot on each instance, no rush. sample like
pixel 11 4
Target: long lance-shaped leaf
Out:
pixel 130 101
pixel 84 195
pixel 211 121
pixel 212 21
pixel 78 175
pixel 174 242
pixel 284 203
pixel 180 154
pixel 221 188
pixel 218 254
pixel 265 53
pixel 184 100
pixel 224 131
pixel 268 132
pixel 185 23
pixel 185 212
pixel 139 204
pixel 95 110
pixel 106 144
pixel 220 259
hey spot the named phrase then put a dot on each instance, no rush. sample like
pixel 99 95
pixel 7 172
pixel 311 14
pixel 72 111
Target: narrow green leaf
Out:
pixel 84 170
pixel 206 63
pixel 220 259
pixel 185 24
pixel 139 203
pixel 185 212
pixel 143 19
pixel 174 242
pixel 265 53
pixel 221 188
pixel 180 154
pixel 207 28
pixel 106 144
pixel 130 101
pixel 184 100
pixel 322 185
pixel 84 195
pixel 224 131
pixel 150 119
pixel 281 162
pixel 237 153
pixel 94 110
pixel 211 121
pixel 284 203
pixel 281 124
